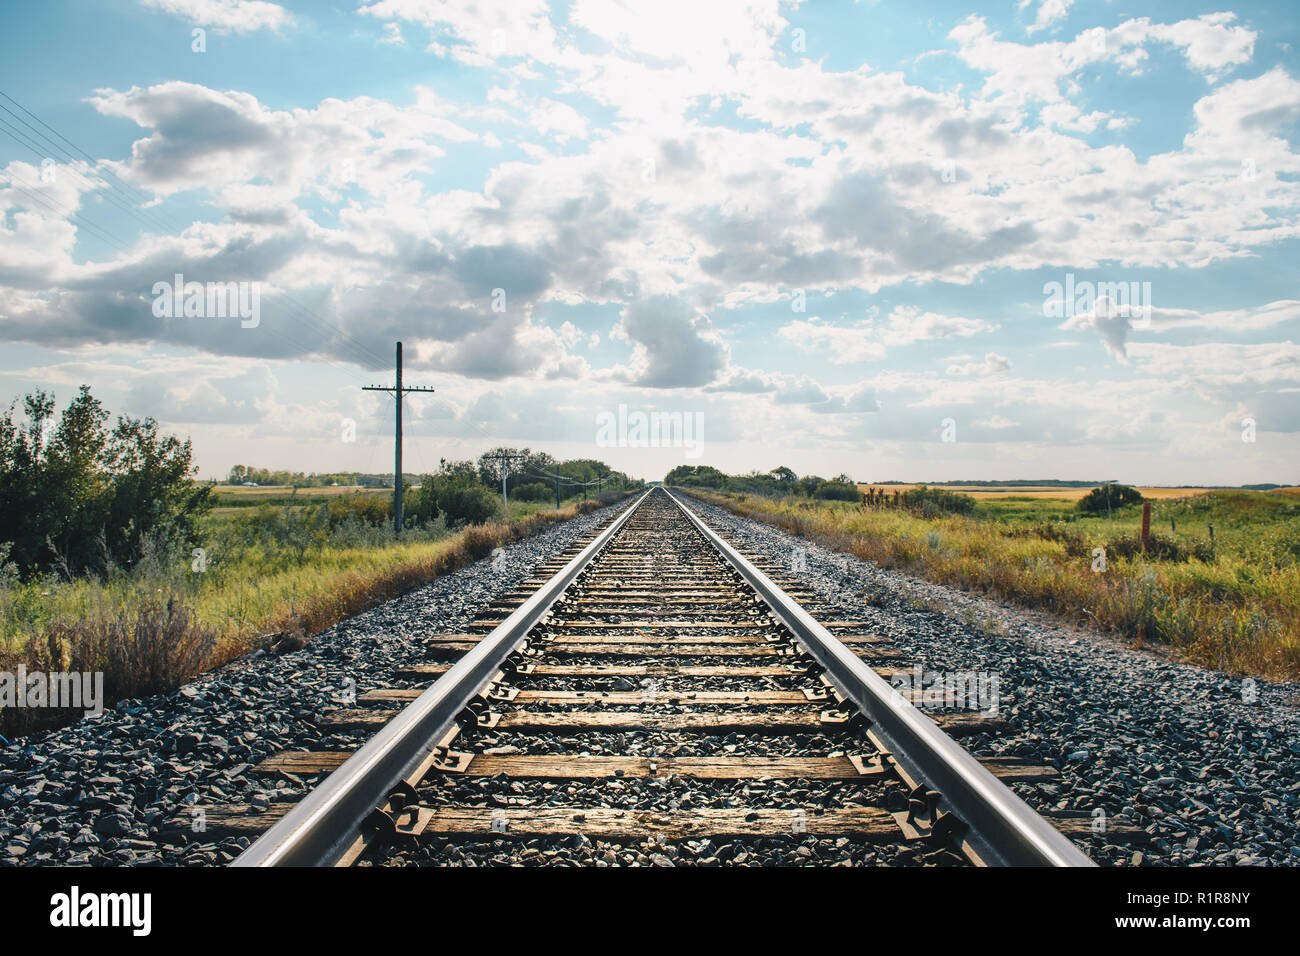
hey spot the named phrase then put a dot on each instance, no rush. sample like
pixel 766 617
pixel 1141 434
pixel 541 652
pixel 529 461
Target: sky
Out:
pixel 1050 239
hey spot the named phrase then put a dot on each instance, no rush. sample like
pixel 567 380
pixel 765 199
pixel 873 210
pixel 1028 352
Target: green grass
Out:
pixel 1233 604
pixel 269 585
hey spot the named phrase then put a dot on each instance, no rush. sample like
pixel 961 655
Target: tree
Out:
pixel 152 493
pixel 74 495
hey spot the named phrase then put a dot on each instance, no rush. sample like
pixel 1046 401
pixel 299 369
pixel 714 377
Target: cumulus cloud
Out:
pixel 673 344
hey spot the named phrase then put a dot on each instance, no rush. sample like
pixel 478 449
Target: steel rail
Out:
pixel 1002 828
pixel 317 831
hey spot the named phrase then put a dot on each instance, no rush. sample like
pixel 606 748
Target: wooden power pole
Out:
pixel 397 393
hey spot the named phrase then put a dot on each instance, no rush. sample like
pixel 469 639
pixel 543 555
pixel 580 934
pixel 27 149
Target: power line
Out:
pixel 117 190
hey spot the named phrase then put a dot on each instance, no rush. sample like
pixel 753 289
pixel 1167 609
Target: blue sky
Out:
pixel 828 229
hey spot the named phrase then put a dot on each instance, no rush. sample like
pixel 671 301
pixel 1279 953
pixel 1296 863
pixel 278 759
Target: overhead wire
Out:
pixel 126 200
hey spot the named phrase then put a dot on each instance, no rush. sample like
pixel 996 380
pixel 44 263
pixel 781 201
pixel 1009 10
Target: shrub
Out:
pixel 1160 548
pixel 422 505
pixel 463 503
pixel 534 491
pixel 372 510
pixel 931 502
pixel 79 496
pixel 837 491
pixel 1108 498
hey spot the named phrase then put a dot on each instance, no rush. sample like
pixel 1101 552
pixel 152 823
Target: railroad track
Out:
pixel 651 686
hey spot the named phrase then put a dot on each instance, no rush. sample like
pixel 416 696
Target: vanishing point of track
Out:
pixel 658 635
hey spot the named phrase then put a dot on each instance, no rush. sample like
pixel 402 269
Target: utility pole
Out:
pixel 503 458
pixel 557 477
pixel 397 393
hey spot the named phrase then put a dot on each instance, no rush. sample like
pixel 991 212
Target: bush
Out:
pixel 374 510
pixel 421 506
pixel 463 503
pixel 931 502
pixel 535 491
pixel 837 491
pixel 1109 498
pixel 76 496
pixel 1160 548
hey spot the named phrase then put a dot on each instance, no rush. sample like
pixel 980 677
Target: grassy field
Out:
pixel 1231 601
pixel 1037 492
pixel 268 578
pixel 233 500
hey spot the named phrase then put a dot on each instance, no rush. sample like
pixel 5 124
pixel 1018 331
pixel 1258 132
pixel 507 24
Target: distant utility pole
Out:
pixel 505 470
pixel 557 477
pixel 397 393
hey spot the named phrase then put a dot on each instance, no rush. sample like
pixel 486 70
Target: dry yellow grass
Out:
pixel 1038 491
pixel 1230 602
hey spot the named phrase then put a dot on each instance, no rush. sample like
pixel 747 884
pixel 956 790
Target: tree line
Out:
pixel 470 491
pixel 244 475
pixel 779 482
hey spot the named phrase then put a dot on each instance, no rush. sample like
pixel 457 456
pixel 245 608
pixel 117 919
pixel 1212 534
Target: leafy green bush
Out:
pixel 534 491
pixel 1160 548
pixel 456 494
pixel 76 496
pixel 463 504
pixel 1109 498
pixel 837 491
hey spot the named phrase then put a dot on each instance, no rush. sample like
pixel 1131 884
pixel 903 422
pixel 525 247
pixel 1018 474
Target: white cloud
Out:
pixel 674 345
pixel 993 364
pixel 865 341
pixel 1049 12
pixel 239 16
